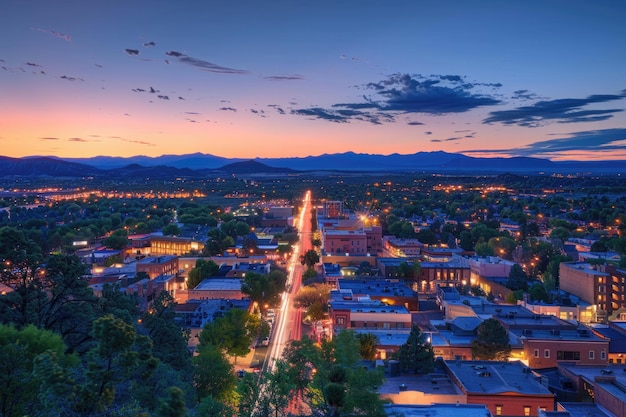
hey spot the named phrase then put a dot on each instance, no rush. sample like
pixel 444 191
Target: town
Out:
pixel 335 295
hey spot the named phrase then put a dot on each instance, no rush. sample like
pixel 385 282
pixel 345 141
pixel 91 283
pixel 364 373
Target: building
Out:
pixel 213 288
pixel 604 385
pixel 155 266
pixel 352 242
pixel 172 245
pixel 388 292
pixel 615 332
pixel 454 272
pixel 466 410
pixel 506 388
pixel 402 248
pixel 592 285
pixel 333 209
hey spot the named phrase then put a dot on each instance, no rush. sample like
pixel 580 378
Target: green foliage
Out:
pixel 203 269
pixel 518 280
pixel 171 229
pixel 173 405
pixel 232 333
pixel 367 345
pixel 264 289
pixel 538 292
pixel 314 298
pixel 492 341
pixel 213 374
pixel 117 240
pixel 416 355
pixel 310 258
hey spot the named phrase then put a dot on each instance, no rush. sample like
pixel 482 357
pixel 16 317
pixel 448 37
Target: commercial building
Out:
pixel 593 285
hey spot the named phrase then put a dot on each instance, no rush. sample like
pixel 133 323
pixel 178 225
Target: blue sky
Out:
pixel 284 78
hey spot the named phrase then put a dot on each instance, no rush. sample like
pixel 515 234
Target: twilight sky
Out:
pixel 274 78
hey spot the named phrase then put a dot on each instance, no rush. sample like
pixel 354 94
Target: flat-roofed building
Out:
pixel 402 248
pixel 455 272
pixel 591 284
pixel 352 242
pixel 389 292
pixel 212 288
pixel 506 388
pixel 604 385
pixel 333 209
pixel 155 266
pixel 172 245
pixel 439 410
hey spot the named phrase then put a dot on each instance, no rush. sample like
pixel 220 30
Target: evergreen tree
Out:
pixel 416 355
pixel 492 341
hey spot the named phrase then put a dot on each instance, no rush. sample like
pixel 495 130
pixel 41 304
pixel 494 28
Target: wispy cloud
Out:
pixel 208 66
pixel 49 138
pixel 590 141
pixel 149 44
pixel 284 77
pixel 59 35
pixel 567 110
pixel 131 52
pixel 228 109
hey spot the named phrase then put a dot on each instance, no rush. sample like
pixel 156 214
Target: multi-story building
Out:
pixel 402 248
pixel 171 245
pixel 333 209
pixel 156 266
pixel 352 242
pixel 592 285
pixel 389 292
pixel 455 272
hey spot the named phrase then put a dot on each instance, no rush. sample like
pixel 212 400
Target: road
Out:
pixel 289 319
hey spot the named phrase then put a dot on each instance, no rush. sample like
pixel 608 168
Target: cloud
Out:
pixel 428 133
pixel 208 66
pixel 68 78
pixel 32 64
pixel 163 97
pixel 149 44
pixel 524 95
pixel 140 142
pixel 49 138
pixel 228 109
pixel 284 77
pixel 77 140
pixel 174 53
pixel 602 140
pixel 447 140
pixel 59 35
pixel 404 93
pixel 415 123
pixel 567 110
pixel 131 52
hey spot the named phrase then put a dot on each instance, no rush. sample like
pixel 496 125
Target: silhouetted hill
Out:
pixel 253 167
pixel 44 166
pixel 154 172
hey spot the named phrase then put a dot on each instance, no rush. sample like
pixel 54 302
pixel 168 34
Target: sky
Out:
pixel 274 78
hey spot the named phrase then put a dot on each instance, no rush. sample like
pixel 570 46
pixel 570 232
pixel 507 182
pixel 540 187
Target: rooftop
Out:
pixel 491 377
pixel 437 410
pixel 220 284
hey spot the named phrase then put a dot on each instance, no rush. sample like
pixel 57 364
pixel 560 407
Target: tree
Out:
pixel 203 269
pixel 538 292
pixel 173 405
pixel 492 341
pixel 314 298
pixel 368 343
pixel 310 258
pixel 117 240
pixel 416 355
pixel 518 280
pixel 232 333
pixel 171 229
pixel 264 288
pixel 213 374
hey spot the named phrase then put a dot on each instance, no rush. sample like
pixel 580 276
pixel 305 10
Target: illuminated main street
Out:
pixel 289 320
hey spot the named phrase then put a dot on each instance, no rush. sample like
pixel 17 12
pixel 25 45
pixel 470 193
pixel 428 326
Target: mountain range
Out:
pixel 199 164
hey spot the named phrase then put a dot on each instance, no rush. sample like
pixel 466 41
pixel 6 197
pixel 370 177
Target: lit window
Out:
pixel 526 410
pixel 498 410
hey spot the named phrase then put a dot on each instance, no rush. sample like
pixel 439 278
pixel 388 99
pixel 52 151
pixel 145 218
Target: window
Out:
pixel 526 410
pixel 498 410
pixel 536 353
pixel 341 320
pixel 592 354
pixel 603 355
pixel 546 353
pixel 568 355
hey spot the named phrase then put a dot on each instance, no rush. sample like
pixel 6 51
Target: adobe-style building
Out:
pixel 506 388
pixel 389 292
pixel 353 241
pixel 172 245
pixel 605 385
pixel 455 272
pixel 594 286
pixel 402 248
pixel 213 288
pixel 156 266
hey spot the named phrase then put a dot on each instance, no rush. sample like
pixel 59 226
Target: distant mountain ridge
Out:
pixel 199 164
pixel 436 161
